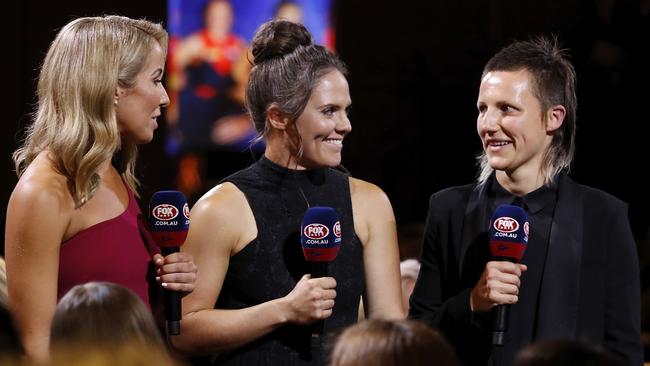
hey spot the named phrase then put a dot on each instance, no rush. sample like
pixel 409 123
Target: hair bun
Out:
pixel 277 38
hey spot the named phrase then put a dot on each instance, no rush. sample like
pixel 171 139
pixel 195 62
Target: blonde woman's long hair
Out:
pixel 75 118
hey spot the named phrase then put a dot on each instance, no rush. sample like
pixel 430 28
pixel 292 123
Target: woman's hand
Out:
pixel 176 272
pixel 311 299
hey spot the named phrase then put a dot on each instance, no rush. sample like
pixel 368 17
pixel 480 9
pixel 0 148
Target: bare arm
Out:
pixel 374 223
pixel 222 224
pixel 37 217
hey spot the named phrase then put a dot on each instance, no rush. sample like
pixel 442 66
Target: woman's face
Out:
pixel 324 123
pixel 138 107
pixel 510 122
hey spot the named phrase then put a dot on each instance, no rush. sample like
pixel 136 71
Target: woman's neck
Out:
pixel 519 184
pixel 279 152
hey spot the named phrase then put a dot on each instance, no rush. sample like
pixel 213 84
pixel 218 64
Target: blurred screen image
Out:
pixel 208 66
pixel 209 133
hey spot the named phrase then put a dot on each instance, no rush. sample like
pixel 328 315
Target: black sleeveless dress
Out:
pixel 270 266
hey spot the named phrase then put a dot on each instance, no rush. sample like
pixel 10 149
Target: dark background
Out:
pixel 414 75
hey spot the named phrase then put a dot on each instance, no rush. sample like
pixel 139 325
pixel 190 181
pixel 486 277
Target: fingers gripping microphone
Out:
pixel 169 220
pixel 320 237
pixel 508 239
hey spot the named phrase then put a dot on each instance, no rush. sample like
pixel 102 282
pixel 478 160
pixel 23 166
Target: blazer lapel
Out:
pixel 474 245
pixel 558 298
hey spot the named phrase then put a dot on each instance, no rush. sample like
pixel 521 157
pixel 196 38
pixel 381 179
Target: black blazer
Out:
pixel 590 288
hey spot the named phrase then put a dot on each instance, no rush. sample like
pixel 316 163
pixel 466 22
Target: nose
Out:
pixel 344 126
pixel 488 121
pixel 164 98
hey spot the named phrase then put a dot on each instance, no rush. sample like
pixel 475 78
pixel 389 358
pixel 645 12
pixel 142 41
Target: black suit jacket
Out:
pixel 590 287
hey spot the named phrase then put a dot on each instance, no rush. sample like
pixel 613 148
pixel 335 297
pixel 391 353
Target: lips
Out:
pixel 338 142
pixel 495 145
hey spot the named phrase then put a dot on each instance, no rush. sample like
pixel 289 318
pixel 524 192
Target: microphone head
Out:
pixel 169 218
pixel 509 233
pixel 320 234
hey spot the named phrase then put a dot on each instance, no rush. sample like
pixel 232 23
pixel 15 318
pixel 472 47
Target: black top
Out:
pixel 589 287
pixel 270 266
pixel 539 206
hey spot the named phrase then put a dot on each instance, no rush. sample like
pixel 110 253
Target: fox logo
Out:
pixel 316 231
pixel 506 224
pixel 164 212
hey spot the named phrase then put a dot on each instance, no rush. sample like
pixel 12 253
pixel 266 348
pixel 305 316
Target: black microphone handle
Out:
pixel 318 270
pixel 172 302
pixel 501 316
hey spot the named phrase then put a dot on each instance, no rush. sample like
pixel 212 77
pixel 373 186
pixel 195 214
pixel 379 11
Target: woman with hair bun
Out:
pixel 253 303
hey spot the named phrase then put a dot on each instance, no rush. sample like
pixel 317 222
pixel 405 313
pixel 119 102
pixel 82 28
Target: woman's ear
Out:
pixel 555 118
pixel 116 97
pixel 276 118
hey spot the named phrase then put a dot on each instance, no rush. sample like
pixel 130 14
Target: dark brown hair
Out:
pixel 563 353
pixel 287 66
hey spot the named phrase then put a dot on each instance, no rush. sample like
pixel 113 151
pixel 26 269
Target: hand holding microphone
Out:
pixel 320 238
pixel 499 284
pixel 168 225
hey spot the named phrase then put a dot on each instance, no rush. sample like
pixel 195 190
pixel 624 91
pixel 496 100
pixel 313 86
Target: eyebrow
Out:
pixel 334 105
pixel 157 72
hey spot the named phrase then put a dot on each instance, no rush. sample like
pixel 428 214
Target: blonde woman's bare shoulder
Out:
pixel 41 185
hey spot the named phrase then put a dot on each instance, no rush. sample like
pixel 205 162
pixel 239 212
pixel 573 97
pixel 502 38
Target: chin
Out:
pixel 333 163
pixel 497 164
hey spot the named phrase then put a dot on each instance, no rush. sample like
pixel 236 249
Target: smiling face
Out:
pixel 510 124
pixel 324 122
pixel 138 107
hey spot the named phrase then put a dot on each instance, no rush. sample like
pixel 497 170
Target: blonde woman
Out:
pixel 72 217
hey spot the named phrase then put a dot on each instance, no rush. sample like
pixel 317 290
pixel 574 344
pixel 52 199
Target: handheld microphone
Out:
pixel 320 237
pixel 508 239
pixel 169 220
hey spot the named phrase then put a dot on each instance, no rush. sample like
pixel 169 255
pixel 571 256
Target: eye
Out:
pixel 506 108
pixel 329 110
pixel 157 81
pixel 348 110
pixel 481 108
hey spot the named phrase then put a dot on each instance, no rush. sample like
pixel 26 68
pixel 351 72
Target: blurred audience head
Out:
pixel 563 353
pixel 103 313
pixel 409 268
pixel 121 355
pixel 391 343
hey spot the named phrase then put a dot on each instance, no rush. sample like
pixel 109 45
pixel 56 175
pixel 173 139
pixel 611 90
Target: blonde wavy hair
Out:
pixel 75 118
